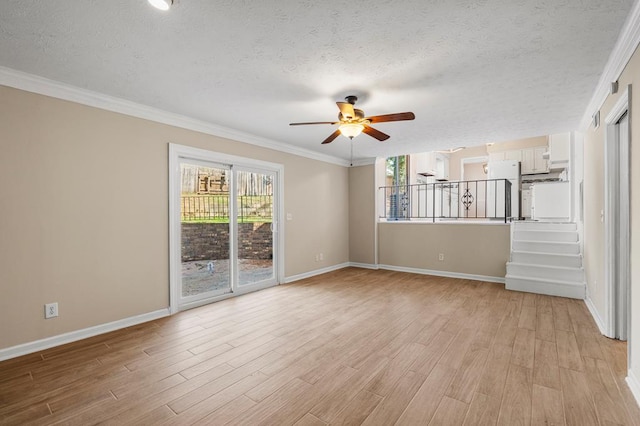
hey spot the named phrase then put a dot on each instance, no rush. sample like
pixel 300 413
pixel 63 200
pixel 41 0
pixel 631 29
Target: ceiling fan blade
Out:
pixel 313 122
pixel 399 116
pixel 331 137
pixel 346 109
pixel 375 133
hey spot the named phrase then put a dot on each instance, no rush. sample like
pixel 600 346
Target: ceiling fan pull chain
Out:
pixel 351 152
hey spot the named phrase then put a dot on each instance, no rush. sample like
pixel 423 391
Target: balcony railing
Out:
pixel 471 199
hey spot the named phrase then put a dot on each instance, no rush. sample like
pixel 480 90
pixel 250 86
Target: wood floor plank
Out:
pixel 568 352
pixel 358 409
pixel 450 412
pixel 330 405
pixel 309 420
pixel 226 413
pixel 546 371
pixel 422 407
pixel 609 406
pixel 524 347
pixel 270 405
pixel 578 401
pixel 391 407
pixel 544 325
pixel 546 406
pixel 387 378
pixel 348 347
pixel 432 353
pixel 528 318
pixel 483 411
pixel 516 399
pixel 495 372
pixel 466 379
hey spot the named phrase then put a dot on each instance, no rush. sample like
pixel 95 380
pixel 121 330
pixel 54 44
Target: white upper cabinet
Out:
pixel 442 167
pixel 425 163
pixel 559 150
pixel 431 164
pixel 533 161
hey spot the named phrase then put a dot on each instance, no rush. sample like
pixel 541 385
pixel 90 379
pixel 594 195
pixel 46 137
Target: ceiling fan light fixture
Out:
pixel 351 130
pixel 161 4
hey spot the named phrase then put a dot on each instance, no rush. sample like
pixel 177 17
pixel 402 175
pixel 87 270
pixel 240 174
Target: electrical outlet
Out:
pixel 321 256
pixel 51 310
pixel 289 216
pixel 441 257
pixel 317 258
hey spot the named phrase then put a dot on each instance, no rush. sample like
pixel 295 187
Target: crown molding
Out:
pixel 363 162
pixel 618 59
pixel 43 86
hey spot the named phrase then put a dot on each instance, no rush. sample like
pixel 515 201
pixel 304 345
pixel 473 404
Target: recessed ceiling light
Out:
pixel 161 4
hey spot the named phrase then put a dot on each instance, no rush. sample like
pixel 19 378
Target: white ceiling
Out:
pixel 473 71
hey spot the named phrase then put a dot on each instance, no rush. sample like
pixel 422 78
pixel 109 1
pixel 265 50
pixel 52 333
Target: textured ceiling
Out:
pixel 473 71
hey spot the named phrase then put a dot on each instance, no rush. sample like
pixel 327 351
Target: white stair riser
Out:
pixel 557 236
pixel 549 273
pixel 545 247
pixel 577 291
pixel 567 261
pixel 526 226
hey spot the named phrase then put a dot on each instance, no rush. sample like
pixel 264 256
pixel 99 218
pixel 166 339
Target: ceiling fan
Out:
pixel 353 122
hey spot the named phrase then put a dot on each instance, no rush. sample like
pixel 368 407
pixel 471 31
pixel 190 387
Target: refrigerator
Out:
pixel 507 169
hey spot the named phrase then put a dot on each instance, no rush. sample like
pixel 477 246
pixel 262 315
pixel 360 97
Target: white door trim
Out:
pixel 612 231
pixel 178 152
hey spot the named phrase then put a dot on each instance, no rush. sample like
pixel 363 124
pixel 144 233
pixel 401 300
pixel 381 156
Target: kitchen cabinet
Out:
pixel 442 167
pixel 431 164
pixel 559 150
pixel 533 161
pixel 526 203
pixel 513 155
pixel 424 163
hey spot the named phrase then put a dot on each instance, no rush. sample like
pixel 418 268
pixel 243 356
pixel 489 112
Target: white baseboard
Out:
pixel 315 272
pixel 61 339
pixel 634 385
pixel 448 274
pixel 596 316
pixel 363 265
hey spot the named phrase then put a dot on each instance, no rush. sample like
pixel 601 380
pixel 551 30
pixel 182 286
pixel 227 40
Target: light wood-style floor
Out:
pixel 350 347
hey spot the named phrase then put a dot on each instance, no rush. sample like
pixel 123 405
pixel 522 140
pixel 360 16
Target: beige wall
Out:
pixel 85 213
pixel 474 171
pixel 518 144
pixel 594 203
pixel 362 220
pixel 455 160
pixel 417 245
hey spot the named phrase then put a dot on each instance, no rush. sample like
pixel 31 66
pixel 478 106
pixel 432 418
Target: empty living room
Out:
pixel 299 213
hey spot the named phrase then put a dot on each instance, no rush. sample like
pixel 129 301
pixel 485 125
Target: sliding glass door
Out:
pixel 255 225
pixel 204 230
pixel 224 217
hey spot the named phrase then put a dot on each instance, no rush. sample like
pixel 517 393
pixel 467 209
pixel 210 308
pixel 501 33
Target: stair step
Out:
pixel 546 247
pixel 545 226
pixel 545 286
pixel 550 259
pixel 534 235
pixel 545 272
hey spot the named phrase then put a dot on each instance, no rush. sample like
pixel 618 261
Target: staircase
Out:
pixel 546 259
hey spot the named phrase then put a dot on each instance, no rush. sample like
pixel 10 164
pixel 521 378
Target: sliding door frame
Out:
pixel 178 153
